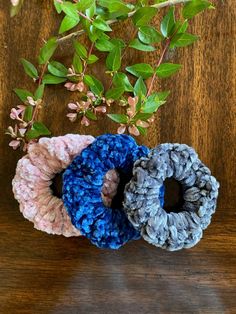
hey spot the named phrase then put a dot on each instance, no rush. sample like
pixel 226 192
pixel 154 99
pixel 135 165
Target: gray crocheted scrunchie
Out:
pixel 171 231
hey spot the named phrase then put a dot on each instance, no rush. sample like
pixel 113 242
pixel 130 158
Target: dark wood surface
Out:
pixel 40 273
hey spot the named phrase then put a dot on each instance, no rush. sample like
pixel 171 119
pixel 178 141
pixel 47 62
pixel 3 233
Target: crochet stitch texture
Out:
pixel 82 183
pixel 34 174
pixel 171 231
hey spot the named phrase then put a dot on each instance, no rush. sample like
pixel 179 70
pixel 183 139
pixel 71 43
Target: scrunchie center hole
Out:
pixel 56 185
pixel 173 199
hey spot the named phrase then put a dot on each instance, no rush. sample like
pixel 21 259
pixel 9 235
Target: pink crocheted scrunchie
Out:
pixel 33 179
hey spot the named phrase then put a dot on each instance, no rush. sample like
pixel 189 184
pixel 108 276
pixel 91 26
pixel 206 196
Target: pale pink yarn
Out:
pixel 33 179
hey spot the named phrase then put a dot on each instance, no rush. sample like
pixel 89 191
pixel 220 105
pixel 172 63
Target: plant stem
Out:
pixel 42 73
pixel 89 54
pixel 85 16
pixel 157 6
pixel 158 64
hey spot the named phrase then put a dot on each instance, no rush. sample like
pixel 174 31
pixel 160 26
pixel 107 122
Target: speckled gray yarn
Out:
pixel 171 231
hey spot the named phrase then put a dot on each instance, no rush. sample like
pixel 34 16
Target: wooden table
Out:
pixel 40 273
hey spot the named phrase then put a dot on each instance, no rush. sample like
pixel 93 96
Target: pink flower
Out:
pixel 15 2
pixel 31 101
pixel 72 116
pixel 91 96
pixel 22 132
pixel 121 129
pixel 132 101
pixel 72 106
pixel 143 124
pixel 75 86
pixel 85 121
pixel 133 130
pixel 100 109
pixel 14 144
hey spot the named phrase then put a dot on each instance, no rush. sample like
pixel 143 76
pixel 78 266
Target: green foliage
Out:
pixel 113 61
pixel 52 79
pixel 168 23
pixel 115 93
pixel 194 7
pixel 47 50
pixel 57 69
pixel 80 50
pixel 95 85
pixel 83 5
pixel 183 39
pixel 141 69
pixel 136 44
pixel 149 35
pixel 143 16
pixel 119 118
pixel 28 113
pixel 167 69
pixel 38 129
pixel 30 69
pixel 121 79
pixel 68 23
pixel 39 92
pixel 154 101
pixel 101 24
pixel 140 88
pixel 23 94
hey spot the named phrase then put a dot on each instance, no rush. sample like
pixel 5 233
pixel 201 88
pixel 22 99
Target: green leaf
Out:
pixel 142 130
pixel 119 118
pixel 182 40
pixel 115 93
pixel 77 64
pixel 121 79
pixel 194 7
pixel 141 116
pixel 104 45
pixel 140 88
pixel 148 35
pixel 163 95
pixel 167 69
pixel 101 24
pixel 23 94
pixel 90 12
pixel 47 50
pixel 152 104
pixel 113 61
pixel 80 49
pixel 51 79
pixel 28 113
pixel 114 6
pixel 95 85
pixel 143 16
pixel 83 5
pixel 30 69
pixel 183 27
pixel 57 69
pixel 141 69
pixel 92 59
pixel 136 44
pixel 68 23
pixel 39 92
pixel 38 129
pixel 57 6
pixel 70 9
pixel 118 42
pixel 168 23
pixel 90 115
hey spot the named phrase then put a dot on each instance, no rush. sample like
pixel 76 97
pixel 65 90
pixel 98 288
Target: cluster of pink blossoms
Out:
pixel 18 132
pixel 89 105
pixel 131 125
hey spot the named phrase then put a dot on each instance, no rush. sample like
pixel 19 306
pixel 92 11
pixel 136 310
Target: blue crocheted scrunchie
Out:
pixel 171 231
pixel 82 184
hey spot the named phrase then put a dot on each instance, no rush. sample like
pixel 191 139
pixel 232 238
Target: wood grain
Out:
pixel 49 274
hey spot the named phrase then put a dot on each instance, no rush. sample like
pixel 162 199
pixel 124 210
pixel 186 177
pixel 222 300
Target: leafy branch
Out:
pixel 128 88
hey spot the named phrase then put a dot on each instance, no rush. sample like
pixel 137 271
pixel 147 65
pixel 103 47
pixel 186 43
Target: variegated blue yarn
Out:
pixel 171 231
pixel 82 185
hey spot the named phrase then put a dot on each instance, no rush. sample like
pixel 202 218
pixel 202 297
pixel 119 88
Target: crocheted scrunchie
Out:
pixel 34 174
pixel 82 183
pixel 171 231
